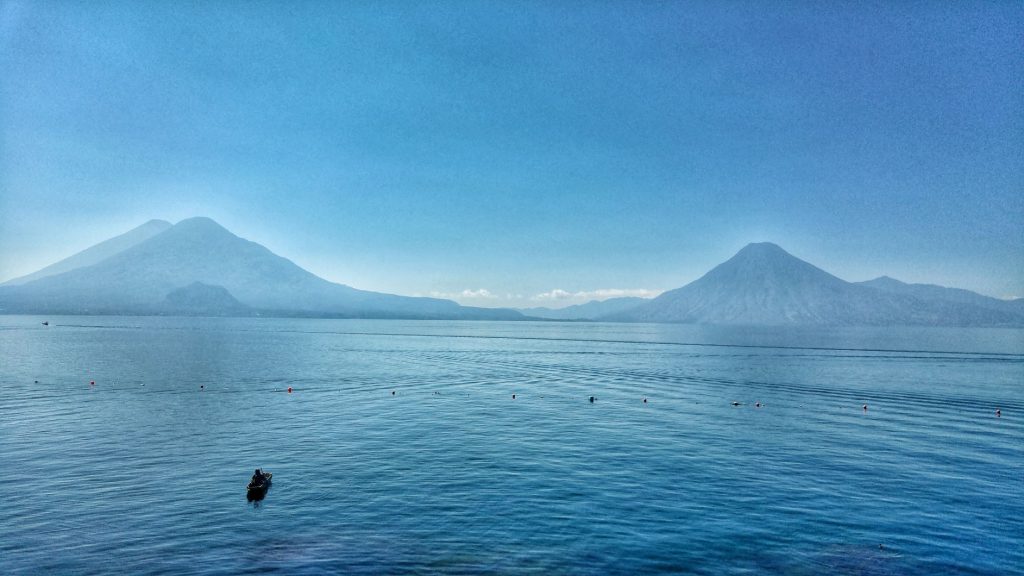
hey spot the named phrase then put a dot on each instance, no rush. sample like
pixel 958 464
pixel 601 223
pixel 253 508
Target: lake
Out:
pixel 402 450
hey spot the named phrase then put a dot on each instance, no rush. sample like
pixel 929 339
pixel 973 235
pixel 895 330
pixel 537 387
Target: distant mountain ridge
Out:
pixel 197 267
pixel 139 278
pixel 935 292
pixel 765 285
pixel 586 311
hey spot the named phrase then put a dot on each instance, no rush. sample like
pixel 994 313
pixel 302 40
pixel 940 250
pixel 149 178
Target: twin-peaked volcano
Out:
pixel 159 273
pixel 763 284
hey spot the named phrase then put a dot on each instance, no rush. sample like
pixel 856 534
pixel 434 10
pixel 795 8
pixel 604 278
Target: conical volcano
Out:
pixel 765 285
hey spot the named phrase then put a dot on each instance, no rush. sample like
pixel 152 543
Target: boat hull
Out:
pixel 258 491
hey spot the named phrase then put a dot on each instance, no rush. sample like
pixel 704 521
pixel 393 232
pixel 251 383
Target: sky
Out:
pixel 524 153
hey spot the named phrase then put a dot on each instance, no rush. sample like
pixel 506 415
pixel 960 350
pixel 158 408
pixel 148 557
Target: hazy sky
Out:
pixel 496 152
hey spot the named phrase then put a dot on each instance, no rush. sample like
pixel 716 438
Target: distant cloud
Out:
pixel 555 294
pixel 599 294
pixel 481 293
pixel 556 298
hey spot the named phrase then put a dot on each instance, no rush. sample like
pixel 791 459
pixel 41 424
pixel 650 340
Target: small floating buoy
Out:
pixel 202 386
pixel 289 389
pixel 513 396
pixel 392 392
pixel 591 399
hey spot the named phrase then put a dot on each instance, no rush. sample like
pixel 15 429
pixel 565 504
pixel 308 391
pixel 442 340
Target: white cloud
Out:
pixel 481 293
pixel 600 294
pixel 556 294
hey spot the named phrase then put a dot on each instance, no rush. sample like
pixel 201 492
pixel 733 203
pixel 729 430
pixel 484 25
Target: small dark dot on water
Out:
pixel 392 392
pixel 37 381
pixel 591 399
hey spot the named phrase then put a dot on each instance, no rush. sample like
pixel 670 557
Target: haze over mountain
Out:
pixel 196 267
pixel 148 277
pixel 763 284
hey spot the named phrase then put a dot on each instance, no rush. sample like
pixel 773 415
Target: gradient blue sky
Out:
pixel 518 148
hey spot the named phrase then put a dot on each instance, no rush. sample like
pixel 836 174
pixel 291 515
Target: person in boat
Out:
pixel 258 477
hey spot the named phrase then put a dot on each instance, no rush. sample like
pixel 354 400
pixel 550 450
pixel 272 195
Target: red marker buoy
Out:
pixel 289 389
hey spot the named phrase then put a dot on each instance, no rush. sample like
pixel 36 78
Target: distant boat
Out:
pixel 46 323
pixel 257 490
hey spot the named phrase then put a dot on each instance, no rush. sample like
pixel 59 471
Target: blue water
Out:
pixel 145 472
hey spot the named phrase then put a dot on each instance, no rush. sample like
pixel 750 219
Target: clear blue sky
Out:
pixel 520 148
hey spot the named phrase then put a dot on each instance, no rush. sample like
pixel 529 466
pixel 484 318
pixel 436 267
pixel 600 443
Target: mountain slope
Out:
pixel 97 253
pixel 763 284
pixel 138 279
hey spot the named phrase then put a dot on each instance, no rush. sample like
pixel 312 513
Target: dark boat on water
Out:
pixel 256 490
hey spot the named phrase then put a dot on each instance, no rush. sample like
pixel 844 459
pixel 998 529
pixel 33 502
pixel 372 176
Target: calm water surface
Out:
pixel 145 472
